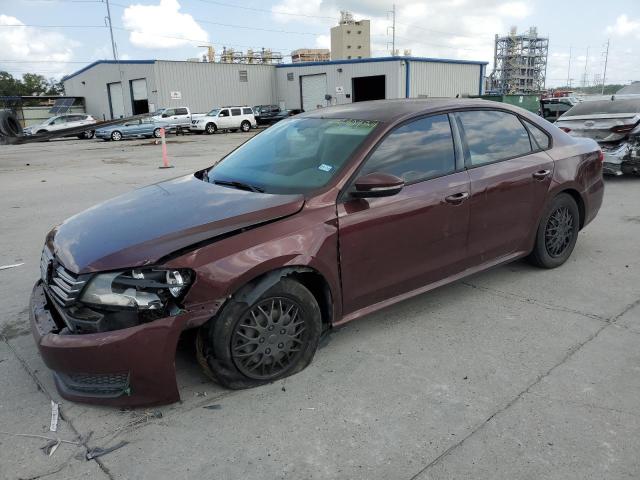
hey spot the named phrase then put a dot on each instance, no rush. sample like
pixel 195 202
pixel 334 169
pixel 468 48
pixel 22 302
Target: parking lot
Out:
pixel 515 373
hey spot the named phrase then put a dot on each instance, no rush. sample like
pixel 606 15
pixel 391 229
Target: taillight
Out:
pixel 601 156
pixel 623 128
pixel 565 129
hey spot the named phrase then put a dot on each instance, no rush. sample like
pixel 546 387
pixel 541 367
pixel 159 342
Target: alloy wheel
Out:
pixel 559 231
pixel 211 128
pixel 245 126
pixel 116 136
pixel 269 338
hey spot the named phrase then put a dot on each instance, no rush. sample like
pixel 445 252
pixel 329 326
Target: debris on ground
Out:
pixel 216 406
pixel 50 447
pixel 98 451
pixel 55 415
pixel 6 267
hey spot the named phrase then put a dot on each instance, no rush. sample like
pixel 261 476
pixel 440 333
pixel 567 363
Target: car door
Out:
pixel 510 176
pixel 236 117
pixel 182 117
pixel 397 244
pixel 224 119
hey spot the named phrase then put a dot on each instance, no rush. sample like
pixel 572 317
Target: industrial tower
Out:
pixel 520 62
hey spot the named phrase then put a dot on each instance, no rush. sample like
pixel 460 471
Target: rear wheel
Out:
pixel 274 337
pixel 211 128
pixel 557 233
pixel 156 132
pixel 116 136
pixel 245 126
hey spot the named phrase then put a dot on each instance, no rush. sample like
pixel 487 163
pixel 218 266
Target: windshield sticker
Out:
pixel 325 168
pixel 368 124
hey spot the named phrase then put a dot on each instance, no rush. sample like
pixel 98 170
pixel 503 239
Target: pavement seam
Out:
pixel 533 301
pixel 43 389
pixel 537 380
pixel 585 405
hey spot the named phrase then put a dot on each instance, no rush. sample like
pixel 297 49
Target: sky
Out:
pixel 57 37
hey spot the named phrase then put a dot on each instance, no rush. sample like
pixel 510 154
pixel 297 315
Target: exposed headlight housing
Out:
pixel 141 289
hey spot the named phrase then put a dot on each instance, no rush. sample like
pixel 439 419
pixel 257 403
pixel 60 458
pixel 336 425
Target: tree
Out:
pixel 31 84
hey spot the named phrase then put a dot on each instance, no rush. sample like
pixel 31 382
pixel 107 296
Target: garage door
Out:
pixel 116 101
pixel 139 94
pixel 313 89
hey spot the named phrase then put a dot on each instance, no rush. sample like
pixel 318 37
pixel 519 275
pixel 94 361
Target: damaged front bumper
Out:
pixel 133 366
pixel 623 158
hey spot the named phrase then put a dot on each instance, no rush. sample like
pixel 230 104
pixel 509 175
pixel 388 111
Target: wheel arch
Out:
pixel 309 277
pixel 579 201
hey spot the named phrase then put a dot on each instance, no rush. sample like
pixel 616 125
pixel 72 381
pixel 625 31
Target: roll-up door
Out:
pixel 313 88
pixel 139 96
pixel 116 101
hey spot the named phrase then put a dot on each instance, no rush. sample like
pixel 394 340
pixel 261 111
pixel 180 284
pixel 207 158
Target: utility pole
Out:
pixel 569 69
pixel 586 62
pixel 604 75
pixel 113 43
pixel 393 27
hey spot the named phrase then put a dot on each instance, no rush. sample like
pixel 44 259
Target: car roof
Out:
pixel 392 110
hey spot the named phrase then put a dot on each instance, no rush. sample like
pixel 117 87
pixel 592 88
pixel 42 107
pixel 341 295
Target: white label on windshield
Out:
pixel 325 168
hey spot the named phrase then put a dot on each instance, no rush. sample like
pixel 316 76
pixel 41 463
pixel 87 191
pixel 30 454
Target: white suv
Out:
pixel 64 121
pixel 225 118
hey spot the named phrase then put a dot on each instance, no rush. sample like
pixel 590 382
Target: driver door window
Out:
pixel 416 151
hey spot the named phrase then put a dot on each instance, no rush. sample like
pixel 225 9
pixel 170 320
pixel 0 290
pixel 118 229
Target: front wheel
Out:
pixel 557 233
pixel 245 126
pixel 249 345
pixel 210 128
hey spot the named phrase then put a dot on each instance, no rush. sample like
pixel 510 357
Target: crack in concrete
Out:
pixel 533 301
pixel 585 405
pixel 527 390
pixel 43 389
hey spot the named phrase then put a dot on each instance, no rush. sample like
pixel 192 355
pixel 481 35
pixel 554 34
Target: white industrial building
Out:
pixel 117 89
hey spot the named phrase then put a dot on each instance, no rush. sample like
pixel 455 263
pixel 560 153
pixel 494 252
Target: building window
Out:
pixel 290 76
pixel 243 75
pixel 348 46
pixel 359 32
pixel 359 56
pixel 348 32
pixel 359 46
pixel 349 57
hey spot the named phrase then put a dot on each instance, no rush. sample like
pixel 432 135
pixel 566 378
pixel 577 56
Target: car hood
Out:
pixel 142 226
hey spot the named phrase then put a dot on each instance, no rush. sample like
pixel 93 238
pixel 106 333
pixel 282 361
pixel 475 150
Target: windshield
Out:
pixel 293 156
pixel 213 112
pixel 599 107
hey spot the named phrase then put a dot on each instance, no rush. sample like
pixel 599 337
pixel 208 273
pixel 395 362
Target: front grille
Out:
pixel 95 384
pixel 63 285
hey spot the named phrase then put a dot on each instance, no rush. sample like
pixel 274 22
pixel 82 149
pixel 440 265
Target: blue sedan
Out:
pixel 139 128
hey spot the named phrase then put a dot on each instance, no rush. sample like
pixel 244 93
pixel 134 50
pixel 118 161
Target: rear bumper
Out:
pixel 129 367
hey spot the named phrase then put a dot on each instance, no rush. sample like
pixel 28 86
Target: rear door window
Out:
pixel 236 111
pixel 416 151
pixel 492 135
pixel 182 111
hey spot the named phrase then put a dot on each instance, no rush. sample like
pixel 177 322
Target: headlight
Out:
pixel 143 289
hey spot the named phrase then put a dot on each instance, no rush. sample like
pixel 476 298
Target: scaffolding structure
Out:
pixel 265 56
pixel 520 63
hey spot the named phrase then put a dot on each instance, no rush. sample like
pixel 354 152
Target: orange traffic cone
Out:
pixel 165 159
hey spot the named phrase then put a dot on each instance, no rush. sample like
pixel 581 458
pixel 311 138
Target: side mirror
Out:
pixel 164 115
pixel 377 184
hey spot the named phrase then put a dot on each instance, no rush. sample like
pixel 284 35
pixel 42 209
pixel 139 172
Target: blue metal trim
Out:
pixel 98 62
pixel 381 59
pixel 407 80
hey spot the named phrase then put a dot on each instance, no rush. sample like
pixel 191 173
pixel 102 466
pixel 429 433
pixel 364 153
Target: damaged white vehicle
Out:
pixel 615 124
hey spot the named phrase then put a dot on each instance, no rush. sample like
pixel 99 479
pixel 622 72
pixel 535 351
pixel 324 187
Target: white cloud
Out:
pixel 42 51
pixel 162 26
pixel 461 29
pixel 625 26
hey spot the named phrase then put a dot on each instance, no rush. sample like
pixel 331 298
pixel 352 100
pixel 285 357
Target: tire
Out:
pixel 116 136
pixel 245 126
pixel 210 128
pixel 237 349
pixel 557 233
pixel 9 125
pixel 156 132
pixel 88 135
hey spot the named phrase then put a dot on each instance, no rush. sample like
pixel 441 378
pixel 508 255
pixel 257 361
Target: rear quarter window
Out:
pixel 247 111
pixel 539 137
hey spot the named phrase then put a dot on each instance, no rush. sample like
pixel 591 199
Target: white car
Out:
pixel 60 122
pixel 225 118
pixel 178 116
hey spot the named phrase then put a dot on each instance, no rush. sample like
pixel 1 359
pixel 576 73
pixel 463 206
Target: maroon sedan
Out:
pixel 318 220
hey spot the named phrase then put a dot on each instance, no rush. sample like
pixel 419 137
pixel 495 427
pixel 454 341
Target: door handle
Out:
pixel 457 198
pixel 541 174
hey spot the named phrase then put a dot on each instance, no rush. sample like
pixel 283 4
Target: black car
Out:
pixel 269 114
